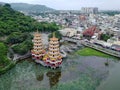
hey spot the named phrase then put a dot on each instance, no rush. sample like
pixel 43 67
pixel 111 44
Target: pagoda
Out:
pixel 53 58
pixel 38 51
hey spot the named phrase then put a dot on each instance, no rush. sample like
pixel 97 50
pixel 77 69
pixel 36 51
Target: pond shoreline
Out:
pixel 77 71
pixel 92 52
pixel 7 68
pixel 82 52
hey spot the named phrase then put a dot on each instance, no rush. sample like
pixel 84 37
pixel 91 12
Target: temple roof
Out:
pixel 90 31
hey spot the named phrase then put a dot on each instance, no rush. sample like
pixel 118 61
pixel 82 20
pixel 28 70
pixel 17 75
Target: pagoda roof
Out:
pixel 54 39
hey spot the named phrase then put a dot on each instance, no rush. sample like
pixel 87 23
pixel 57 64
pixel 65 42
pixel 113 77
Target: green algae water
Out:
pixel 76 73
pixel 113 80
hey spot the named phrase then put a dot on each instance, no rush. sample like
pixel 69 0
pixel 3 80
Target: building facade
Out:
pixel 89 10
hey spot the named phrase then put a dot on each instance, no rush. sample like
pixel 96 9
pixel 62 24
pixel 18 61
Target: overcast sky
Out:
pixel 73 4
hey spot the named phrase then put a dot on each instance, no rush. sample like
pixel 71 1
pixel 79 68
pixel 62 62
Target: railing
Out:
pixel 54 49
pixel 104 50
pixel 51 42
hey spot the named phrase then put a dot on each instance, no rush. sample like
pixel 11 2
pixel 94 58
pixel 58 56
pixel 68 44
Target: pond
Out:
pixel 76 73
pixel 113 80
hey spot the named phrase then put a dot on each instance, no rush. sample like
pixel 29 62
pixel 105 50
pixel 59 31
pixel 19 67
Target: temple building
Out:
pixel 38 51
pixel 53 58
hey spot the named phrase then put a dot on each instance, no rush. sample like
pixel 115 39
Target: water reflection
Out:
pixel 78 72
pixel 54 77
pixel 40 77
pixel 50 76
pixel 39 73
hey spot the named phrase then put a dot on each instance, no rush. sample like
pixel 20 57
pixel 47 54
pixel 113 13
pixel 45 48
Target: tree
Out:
pixel 7 5
pixel 3 52
pixel 23 48
pixel 13 21
pixel 18 37
pixel 14 38
pixel 105 37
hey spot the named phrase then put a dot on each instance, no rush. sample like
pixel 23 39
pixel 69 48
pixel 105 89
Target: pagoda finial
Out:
pixel 53 34
pixel 37 30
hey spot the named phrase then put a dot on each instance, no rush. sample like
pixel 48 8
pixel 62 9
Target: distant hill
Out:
pixel 30 8
pixel 14 21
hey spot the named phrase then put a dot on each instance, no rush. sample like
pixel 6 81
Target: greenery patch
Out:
pixel 92 52
pixel 14 21
pixel 5 63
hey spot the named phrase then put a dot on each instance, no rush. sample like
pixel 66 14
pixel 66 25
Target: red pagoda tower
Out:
pixel 53 58
pixel 38 51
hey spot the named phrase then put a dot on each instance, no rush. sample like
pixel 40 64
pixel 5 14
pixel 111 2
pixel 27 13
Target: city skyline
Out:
pixel 72 4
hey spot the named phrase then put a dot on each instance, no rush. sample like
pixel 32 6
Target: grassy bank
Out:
pixel 92 52
pixel 8 67
pixel 5 63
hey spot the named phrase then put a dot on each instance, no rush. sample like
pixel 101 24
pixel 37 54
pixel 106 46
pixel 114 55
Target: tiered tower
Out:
pixel 38 52
pixel 53 58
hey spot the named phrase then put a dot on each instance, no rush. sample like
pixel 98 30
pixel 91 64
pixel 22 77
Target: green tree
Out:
pixel 18 37
pixel 23 47
pixel 13 21
pixel 14 38
pixel 3 52
pixel 105 37
pixel 7 5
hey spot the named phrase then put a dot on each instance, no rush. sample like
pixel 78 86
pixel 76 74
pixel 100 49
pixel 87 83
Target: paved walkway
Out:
pixel 104 50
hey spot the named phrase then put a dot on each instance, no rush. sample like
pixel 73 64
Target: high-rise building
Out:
pixel 89 10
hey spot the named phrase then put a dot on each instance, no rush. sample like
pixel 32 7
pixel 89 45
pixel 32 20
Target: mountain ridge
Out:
pixel 29 8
